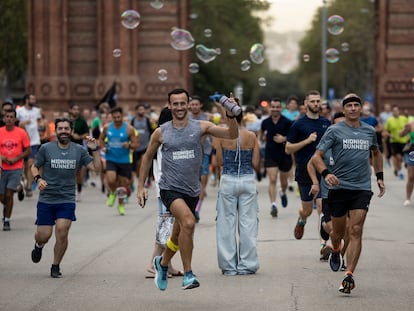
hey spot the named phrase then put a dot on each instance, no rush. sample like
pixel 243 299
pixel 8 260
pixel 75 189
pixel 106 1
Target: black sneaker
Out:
pixel 55 272
pixel 273 210
pixel 347 285
pixel 6 225
pixel 322 232
pixel 284 199
pixel 36 253
pixel 335 261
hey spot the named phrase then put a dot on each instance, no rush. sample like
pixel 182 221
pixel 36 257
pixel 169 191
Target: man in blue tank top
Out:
pixel 182 156
pixel 349 181
pixel 118 139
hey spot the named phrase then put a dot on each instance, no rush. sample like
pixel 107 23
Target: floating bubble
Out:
pixel 206 54
pixel 193 68
pixel 335 25
pixel 411 156
pixel 162 74
pixel 130 19
pixel 245 65
pixel 332 55
pixel 306 58
pixel 193 16
pixel 233 51
pixel 262 81
pixel 208 33
pixel 116 53
pixel 157 4
pixel 345 47
pixel 256 53
pixel 181 39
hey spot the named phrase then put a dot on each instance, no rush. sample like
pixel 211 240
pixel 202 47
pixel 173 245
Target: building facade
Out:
pixel 72 58
pixel 394 62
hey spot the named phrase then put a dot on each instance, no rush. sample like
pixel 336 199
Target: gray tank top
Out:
pixel 182 156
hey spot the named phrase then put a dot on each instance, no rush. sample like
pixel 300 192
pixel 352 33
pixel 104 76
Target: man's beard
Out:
pixel 314 110
pixel 65 139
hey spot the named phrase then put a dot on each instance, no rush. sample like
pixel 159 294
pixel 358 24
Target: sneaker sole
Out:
pixel 190 286
pixel 298 232
pixel 273 212
pixel 34 258
pixel 156 275
pixel 346 287
pixel 340 263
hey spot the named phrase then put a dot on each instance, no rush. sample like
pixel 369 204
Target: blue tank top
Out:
pixel 237 162
pixel 115 152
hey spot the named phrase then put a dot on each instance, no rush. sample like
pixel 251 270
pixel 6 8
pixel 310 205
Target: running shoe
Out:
pixel 325 252
pixel 407 202
pixel 335 261
pixel 78 197
pixel 161 274
pixel 273 210
pixel 190 281
pixel 29 193
pixel 343 267
pixel 322 232
pixel 36 253
pixel 299 229
pixel 111 199
pixel 284 199
pixel 348 284
pixel 6 225
pixel 20 192
pixel 121 209
pixel 55 272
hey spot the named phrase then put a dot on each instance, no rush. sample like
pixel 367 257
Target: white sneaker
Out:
pixel 407 202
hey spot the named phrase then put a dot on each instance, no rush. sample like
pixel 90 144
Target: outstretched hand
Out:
pixel 142 196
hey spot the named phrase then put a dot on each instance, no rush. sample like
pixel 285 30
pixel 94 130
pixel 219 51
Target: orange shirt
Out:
pixel 12 144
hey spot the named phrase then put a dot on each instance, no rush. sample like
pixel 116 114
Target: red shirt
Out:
pixel 12 144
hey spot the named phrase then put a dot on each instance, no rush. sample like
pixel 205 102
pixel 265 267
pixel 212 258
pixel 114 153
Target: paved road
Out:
pixel 104 266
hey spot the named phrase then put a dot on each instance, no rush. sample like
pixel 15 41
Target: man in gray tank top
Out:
pixel 182 155
pixel 351 142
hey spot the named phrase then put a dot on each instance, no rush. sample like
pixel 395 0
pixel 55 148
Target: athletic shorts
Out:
pixel 35 150
pixel 121 169
pixel 136 156
pixel 205 169
pixel 169 196
pixel 304 190
pixel 409 159
pixel 284 163
pixel 47 213
pixel 397 148
pixel 343 200
pixel 10 179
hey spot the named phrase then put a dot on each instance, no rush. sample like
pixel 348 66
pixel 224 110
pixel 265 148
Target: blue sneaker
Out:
pixel 273 210
pixel 190 280
pixel 284 199
pixel 161 274
pixel 335 261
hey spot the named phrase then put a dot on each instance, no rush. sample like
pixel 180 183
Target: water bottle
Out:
pixel 230 106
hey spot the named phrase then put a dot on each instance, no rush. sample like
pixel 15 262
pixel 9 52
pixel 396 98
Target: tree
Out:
pixel 233 27
pixel 13 36
pixel 353 71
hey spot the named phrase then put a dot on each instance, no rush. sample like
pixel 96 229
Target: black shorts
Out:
pixel 341 201
pixel 121 169
pixel 136 156
pixel 284 163
pixel 169 196
pixel 326 211
pixel 397 148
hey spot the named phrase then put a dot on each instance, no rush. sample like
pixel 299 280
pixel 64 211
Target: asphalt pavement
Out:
pixel 104 266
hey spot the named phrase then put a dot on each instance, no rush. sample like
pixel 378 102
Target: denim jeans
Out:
pixel 237 214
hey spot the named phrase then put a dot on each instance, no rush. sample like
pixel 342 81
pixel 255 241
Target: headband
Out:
pixel 351 100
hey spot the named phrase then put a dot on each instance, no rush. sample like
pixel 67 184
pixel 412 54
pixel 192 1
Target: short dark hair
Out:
pixel 196 97
pixel 312 92
pixel 6 104
pixel 275 99
pixel 11 110
pixel 58 120
pixel 178 91
pixel 117 109
pixel 139 105
pixel 293 97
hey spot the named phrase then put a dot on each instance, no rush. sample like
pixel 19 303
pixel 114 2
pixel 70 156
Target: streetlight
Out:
pixel 323 49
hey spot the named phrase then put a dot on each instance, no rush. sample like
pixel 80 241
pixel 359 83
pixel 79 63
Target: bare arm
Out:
pixel 291 148
pixel 317 161
pixel 92 144
pixel 221 132
pixel 102 137
pixel 256 154
pixel 314 177
pixel 377 163
pixel 133 137
pixel 153 145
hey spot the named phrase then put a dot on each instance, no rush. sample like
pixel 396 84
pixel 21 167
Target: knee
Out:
pixel 61 233
pixel 188 224
pixel 355 231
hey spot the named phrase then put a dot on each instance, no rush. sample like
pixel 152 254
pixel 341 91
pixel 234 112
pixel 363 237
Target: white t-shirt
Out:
pixel 24 114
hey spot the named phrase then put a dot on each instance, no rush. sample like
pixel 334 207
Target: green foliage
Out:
pixel 353 71
pixel 13 38
pixel 233 27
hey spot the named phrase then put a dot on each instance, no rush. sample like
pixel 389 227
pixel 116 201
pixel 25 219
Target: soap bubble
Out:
pixel 306 58
pixel 335 25
pixel 130 19
pixel 208 33
pixel 345 47
pixel 245 65
pixel 157 4
pixel 116 53
pixel 232 51
pixel 206 54
pixel 162 74
pixel 332 55
pixel 181 39
pixel 256 53
pixel 193 68
pixel 262 81
pixel 411 156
